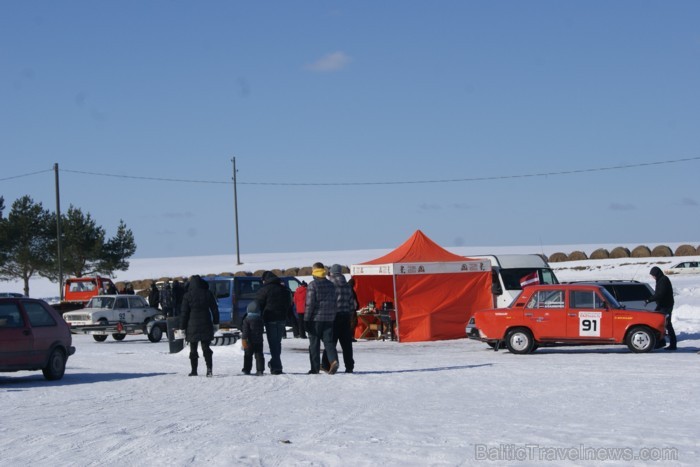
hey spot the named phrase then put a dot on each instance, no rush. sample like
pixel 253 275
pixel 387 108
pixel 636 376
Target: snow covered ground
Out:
pixel 436 403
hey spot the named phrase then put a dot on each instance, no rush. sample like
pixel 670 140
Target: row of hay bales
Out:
pixel 642 251
pixel 142 286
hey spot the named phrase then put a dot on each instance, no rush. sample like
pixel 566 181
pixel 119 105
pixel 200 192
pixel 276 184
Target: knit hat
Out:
pixel 336 270
pixel 656 272
pixel 252 309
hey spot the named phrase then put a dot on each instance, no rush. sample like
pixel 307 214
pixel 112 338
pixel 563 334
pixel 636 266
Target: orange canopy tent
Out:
pixel 434 292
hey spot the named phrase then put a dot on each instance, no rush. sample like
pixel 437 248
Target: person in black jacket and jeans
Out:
pixel 200 320
pixel 663 296
pixel 274 302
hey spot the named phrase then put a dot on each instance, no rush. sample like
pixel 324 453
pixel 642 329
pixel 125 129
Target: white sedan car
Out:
pixel 112 309
pixel 685 267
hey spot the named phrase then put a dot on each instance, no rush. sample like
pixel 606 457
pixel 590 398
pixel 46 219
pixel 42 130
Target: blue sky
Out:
pixel 326 105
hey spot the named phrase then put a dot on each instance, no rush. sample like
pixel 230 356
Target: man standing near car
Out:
pixel 275 302
pixel 663 296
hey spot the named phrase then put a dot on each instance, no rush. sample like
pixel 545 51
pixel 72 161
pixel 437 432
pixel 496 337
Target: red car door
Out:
pixel 588 318
pixel 16 339
pixel 44 330
pixel 545 314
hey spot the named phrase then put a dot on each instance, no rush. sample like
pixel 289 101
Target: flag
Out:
pixel 530 279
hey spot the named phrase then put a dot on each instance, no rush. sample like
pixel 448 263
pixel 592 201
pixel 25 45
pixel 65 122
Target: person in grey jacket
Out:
pixel 200 320
pixel 321 308
pixel 342 330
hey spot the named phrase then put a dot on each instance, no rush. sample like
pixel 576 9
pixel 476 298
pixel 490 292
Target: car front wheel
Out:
pixel 99 337
pixel 520 341
pixel 641 339
pixel 156 334
pixel 56 366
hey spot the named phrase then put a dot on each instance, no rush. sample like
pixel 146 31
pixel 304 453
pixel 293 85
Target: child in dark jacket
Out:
pixel 252 340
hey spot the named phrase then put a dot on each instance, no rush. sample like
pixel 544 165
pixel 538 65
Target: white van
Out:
pixel 510 272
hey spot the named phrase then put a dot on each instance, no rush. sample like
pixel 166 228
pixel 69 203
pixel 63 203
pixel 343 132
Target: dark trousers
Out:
pixel 342 332
pixel 206 351
pixel 320 331
pixel 669 326
pixel 274 331
pixel 257 351
pixel 302 327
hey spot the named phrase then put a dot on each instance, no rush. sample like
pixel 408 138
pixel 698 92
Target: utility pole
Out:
pixel 235 211
pixel 58 234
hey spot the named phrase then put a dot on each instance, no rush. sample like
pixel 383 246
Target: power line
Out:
pixel 25 175
pixel 398 182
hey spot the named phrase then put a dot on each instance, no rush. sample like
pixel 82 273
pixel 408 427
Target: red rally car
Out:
pixel 566 314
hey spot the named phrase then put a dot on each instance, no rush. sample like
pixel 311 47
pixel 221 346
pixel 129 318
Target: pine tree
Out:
pixel 26 240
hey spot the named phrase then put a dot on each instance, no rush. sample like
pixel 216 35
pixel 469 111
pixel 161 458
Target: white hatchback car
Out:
pixel 112 309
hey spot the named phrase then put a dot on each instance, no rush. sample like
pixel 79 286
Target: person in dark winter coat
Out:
pixel 341 325
pixel 663 296
pixel 200 320
pixel 321 308
pixel 300 304
pixel 178 292
pixel 154 296
pixel 274 302
pixel 252 329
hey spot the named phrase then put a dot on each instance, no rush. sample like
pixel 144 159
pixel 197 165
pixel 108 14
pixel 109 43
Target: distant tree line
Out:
pixel 29 244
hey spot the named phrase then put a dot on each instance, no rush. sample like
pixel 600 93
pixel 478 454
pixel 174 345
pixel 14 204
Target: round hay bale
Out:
pixel 226 274
pixel 600 253
pixel 577 256
pixel 558 257
pixel 620 252
pixel 642 251
pixel 697 250
pixel 661 251
pixel 305 271
pixel 141 284
pixel 686 250
pixel 277 272
pixel 259 272
pixel 243 274
pixel 291 271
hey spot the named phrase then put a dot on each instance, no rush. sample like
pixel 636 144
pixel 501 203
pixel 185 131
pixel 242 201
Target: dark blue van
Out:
pixel 233 294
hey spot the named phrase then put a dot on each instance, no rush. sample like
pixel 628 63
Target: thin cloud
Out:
pixel 689 202
pixel 622 207
pixel 429 207
pixel 461 206
pixel 335 61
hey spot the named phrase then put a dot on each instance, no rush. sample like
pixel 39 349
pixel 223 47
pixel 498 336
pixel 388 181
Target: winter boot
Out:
pixel 334 367
pixel 193 362
pixel 209 374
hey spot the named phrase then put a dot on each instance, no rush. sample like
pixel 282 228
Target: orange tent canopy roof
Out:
pixel 418 248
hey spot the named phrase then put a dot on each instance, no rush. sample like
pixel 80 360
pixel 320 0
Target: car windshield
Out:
pixel 610 299
pixel 101 302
